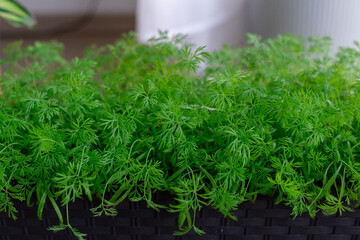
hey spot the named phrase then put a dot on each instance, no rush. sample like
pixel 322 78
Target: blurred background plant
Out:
pixel 14 13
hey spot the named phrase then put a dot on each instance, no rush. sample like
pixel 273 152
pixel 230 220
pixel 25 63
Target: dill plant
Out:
pixel 278 117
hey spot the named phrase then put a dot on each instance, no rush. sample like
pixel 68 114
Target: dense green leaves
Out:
pixel 278 117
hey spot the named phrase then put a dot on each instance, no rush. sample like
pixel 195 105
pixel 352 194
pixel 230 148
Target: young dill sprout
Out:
pixel 278 117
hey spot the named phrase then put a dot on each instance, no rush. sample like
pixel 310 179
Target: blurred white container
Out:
pixel 206 22
pixel 337 19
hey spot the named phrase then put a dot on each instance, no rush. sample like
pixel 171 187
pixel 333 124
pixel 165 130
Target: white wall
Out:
pixel 73 7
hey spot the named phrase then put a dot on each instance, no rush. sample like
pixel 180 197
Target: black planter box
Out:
pixel 261 220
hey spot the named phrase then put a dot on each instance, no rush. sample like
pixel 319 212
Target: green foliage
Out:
pixel 278 117
pixel 15 13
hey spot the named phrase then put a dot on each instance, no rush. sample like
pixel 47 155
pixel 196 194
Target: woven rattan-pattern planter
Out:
pixel 261 220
